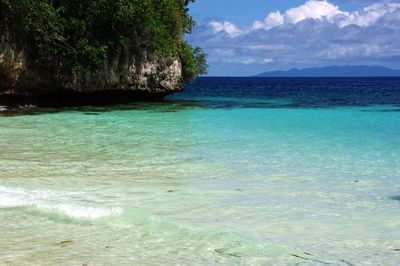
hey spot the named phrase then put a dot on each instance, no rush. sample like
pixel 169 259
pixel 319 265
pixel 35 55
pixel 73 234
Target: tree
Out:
pixel 82 34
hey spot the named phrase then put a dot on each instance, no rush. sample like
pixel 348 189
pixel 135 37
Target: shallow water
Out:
pixel 209 177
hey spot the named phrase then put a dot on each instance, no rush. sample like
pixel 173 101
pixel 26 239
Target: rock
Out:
pixel 122 79
pixel 66 242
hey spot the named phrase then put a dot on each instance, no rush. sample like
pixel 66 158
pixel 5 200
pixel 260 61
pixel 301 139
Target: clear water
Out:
pixel 232 171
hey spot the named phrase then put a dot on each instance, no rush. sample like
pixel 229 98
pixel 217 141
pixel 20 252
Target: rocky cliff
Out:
pixel 122 78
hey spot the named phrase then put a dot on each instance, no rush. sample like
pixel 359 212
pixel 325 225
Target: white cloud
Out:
pixel 312 10
pixel 274 19
pixel 267 47
pixel 268 60
pixel 249 61
pixel 369 15
pixel 224 52
pixel 217 26
pixel 227 27
pixel 316 10
pixel 313 34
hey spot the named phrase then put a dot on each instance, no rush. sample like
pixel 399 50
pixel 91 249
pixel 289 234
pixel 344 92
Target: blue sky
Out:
pixel 246 37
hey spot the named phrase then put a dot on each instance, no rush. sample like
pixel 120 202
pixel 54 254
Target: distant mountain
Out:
pixel 335 71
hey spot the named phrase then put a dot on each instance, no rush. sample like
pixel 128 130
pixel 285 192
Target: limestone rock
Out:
pixel 122 78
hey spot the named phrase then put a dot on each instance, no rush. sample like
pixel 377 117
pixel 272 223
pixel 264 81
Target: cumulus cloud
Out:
pixel 370 15
pixel 312 34
pixel 312 10
pixel 324 10
pixel 273 19
pixel 229 28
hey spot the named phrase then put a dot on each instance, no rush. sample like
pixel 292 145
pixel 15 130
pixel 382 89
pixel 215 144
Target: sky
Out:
pixel 247 37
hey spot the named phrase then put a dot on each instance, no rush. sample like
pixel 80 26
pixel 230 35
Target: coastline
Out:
pixel 72 99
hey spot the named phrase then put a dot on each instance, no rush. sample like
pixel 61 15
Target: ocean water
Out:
pixel 233 171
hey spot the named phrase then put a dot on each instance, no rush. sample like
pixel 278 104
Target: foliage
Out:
pixel 82 34
pixel 194 61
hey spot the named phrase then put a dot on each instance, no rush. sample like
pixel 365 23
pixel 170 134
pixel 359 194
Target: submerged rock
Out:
pixel 66 242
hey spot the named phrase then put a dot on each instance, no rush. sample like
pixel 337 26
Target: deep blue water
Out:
pixel 293 92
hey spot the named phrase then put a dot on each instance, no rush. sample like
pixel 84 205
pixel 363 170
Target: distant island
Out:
pixel 335 71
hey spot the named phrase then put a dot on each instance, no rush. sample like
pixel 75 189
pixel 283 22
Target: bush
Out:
pixel 193 61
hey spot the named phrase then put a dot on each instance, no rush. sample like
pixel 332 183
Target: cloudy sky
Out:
pixel 246 37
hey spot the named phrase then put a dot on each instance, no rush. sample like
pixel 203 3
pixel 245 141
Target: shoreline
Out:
pixel 73 99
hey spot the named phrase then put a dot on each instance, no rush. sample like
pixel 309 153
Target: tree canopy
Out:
pixel 83 33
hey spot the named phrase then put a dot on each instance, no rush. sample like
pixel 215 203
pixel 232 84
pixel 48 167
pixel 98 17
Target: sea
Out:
pixel 232 171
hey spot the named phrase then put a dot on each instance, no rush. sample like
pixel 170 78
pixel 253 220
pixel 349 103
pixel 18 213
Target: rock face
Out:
pixel 121 79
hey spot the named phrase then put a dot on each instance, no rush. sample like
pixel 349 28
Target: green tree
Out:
pixel 81 34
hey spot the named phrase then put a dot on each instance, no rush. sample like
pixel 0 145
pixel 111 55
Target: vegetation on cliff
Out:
pixel 81 34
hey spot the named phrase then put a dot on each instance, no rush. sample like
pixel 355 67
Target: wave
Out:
pixel 79 206
pixel 55 202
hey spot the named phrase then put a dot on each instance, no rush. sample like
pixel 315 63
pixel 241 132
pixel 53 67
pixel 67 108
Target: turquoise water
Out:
pixel 187 183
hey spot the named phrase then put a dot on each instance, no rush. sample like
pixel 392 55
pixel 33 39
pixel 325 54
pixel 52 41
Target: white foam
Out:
pixel 58 202
pixel 10 198
pixel 8 202
pixel 83 212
